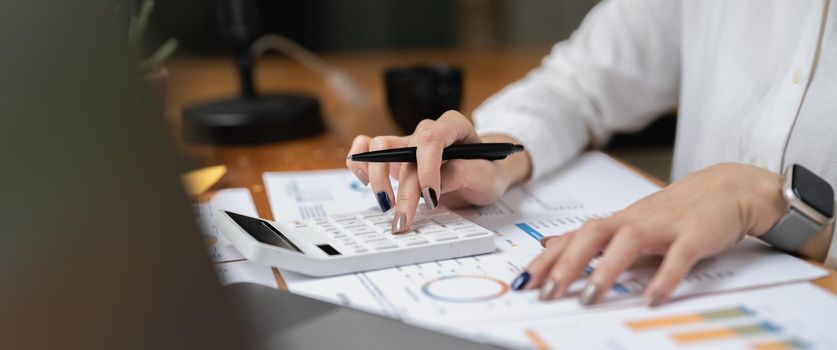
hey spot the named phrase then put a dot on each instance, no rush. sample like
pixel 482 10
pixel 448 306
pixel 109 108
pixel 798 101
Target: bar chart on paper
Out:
pixel 788 317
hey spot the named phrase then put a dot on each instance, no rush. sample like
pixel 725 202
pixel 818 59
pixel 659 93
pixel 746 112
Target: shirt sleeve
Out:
pixel 617 72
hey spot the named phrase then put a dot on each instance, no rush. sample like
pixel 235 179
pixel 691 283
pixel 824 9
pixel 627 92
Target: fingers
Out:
pixel 430 140
pixel 407 200
pixel 359 145
pixel 586 243
pixel 683 254
pixel 617 257
pixel 538 269
pixel 379 172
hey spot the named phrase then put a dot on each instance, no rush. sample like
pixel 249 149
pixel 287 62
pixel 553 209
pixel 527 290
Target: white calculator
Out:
pixel 361 241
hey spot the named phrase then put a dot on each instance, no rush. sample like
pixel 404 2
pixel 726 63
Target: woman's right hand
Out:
pixel 454 183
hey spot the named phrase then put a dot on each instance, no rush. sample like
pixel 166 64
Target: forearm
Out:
pixel 517 167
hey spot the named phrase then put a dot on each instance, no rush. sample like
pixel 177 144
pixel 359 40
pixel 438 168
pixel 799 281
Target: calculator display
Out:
pixel 263 231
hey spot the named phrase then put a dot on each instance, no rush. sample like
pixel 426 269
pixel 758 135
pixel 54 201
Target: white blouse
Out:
pixel 755 81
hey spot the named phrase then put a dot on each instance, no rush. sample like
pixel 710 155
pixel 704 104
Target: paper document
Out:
pixel 244 271
pixel 797 316
pixel 466 296
pixel 310 194
pixel 475 290
pixel 230 265
pixel 594 184
pixel 236 200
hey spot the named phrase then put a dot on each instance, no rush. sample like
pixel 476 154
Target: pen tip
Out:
pixel 349 157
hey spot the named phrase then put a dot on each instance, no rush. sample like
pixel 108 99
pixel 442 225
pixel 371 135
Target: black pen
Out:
pixel 487 151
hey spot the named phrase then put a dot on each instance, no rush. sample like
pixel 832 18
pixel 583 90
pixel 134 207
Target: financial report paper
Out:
pixel 474 291
pixel 230 265
pixel 797 316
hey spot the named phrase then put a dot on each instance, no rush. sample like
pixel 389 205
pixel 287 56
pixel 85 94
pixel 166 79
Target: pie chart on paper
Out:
pixel 465 288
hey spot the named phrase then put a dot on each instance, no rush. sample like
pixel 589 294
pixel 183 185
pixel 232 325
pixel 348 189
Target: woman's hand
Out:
pixel 453 183
pixel 698 216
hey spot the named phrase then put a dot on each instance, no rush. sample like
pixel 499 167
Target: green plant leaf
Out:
pixel 159 56
pixel 141 23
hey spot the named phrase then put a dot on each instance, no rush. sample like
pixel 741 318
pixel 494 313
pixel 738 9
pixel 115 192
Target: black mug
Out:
pixel 422 92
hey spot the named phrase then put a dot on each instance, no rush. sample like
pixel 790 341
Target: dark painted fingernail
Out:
pixel 399 223
pixel 521 281
pixel 653 300
pixel 429 195
pixel 383 201
pixel 589 295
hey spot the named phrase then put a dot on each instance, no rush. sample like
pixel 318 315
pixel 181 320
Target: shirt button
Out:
pixel 796 76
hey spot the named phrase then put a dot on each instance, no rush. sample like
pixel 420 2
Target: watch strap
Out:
pixel 792 230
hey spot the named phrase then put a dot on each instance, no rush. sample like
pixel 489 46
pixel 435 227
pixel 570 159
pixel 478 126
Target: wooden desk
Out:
pixel 193 80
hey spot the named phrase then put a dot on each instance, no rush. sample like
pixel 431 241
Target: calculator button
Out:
pixel 422 222
pixel 383 245
pixel 365 233
pixel 342 217
pixel 414 240
pixel 379 219
pixel 351 223
pixel 431 228
pixel 344 239
pixel 474 233
pixel 370 213
pixel 354 247
pixel 371 237
pixel 465 228
pixel 458 224
pixel 320 220
pixel 360 230
pixel 446 216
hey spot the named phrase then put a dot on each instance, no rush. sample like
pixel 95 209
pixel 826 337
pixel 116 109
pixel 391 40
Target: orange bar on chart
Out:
pixel 712 334
pixel 663 322
pixel 778 345
pixel 725 332
pixel 676 320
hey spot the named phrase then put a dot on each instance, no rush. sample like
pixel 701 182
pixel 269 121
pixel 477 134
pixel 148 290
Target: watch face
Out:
pixel 813 190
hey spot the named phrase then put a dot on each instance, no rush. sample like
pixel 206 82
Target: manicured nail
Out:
pixel 383 201
pixel 361 176
pixel 544 240
pixel 429 195
pixel 589 294
pixel 653 300
pixel 546 290
pixel 399 223
pixel 521 281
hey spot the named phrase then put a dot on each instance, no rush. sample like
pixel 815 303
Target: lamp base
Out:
pixel 253 120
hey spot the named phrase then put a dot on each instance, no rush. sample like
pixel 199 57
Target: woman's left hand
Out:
pixel 700 215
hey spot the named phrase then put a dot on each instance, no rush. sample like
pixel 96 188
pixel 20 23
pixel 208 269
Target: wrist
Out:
pixel 515 168
pixel 765 204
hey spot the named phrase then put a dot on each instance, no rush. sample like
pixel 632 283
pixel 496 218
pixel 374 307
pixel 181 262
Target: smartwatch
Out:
pixel 810 207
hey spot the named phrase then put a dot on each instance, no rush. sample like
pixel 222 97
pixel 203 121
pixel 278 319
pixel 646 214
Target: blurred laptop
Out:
pixel 99 249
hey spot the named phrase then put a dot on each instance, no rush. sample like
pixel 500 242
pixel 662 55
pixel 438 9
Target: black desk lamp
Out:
pixel 250 118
